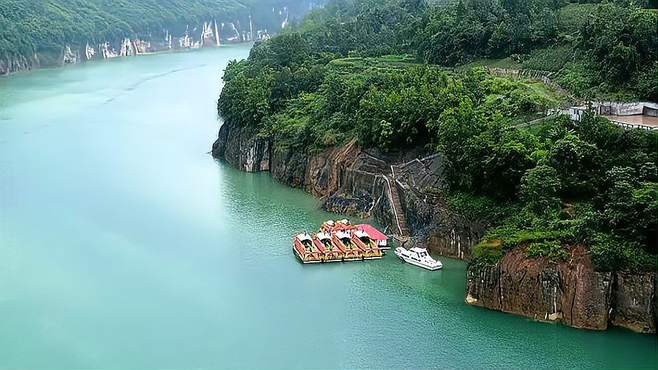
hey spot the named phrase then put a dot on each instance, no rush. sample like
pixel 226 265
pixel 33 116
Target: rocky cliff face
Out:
pixel 242 148
pixel 569 292
pixel 18 63
pixel 432 223
pixel 209 33
pixel 355 181
pixel 348 178
pixel 634 301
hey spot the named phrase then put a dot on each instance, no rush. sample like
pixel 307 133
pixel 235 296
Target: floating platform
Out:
pixel 340 241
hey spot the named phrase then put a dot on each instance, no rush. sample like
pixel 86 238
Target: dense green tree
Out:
pixel 540 188
pixel 620 40
pixel 578 165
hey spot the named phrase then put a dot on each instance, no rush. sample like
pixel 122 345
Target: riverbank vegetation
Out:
pixel 28 27
pixel 384 74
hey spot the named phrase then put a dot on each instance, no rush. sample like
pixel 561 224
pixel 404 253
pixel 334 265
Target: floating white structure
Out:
pixel 418 257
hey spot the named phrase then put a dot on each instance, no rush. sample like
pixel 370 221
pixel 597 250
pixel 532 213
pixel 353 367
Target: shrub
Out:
pixel 487 252
pixel 539 189
pixel 551 59
pixel 610 253
pixel 480 208
pixel 552 250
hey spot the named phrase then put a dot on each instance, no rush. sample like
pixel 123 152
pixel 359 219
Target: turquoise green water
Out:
pixel 123 244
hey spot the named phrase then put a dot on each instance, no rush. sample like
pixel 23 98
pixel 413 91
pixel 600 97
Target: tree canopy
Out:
pixel 28 26
pixel 383 74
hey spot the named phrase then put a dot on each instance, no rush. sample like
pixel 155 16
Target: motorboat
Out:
pixel 419 257
pixel 367 244
pixel 305 249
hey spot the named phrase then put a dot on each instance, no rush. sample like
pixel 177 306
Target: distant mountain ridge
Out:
pixel 55 32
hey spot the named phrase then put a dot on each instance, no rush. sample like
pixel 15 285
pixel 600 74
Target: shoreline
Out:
pixel 97 60
pixel 349 180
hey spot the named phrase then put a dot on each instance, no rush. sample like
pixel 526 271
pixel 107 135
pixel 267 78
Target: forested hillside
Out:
pixel 28 27
pixel 594 48
pixel 376 71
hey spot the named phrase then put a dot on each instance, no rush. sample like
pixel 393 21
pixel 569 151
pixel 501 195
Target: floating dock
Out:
pixel 340 241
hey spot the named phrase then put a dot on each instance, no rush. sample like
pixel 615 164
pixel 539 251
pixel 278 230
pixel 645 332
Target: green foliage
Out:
pixel 476 208
pixel 596 49
pixel 544 187
pixel 610 253
pixel 580 78
pixel 29 26
pixel 614 53
pixel 647 85
pixel 552 58
pixel 631 207
pixel 620 41
pixel 540 188
pixel 577 162
pixel 574 16
pixel 549 249
pixel 249 94
pixel 487 252
pixel 512 235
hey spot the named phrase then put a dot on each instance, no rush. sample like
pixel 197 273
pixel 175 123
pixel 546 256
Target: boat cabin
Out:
pixel 380 238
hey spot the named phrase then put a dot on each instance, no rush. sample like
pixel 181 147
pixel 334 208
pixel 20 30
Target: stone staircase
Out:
pixel 398 211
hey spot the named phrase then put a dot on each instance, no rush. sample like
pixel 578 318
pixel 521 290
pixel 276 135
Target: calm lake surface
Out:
pixel 123 244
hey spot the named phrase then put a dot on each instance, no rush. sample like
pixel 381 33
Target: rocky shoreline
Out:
pixel 368 183
pixel 211 33
pixel 569 292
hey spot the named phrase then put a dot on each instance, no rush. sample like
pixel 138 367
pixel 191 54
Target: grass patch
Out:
pixel 551 59
pixel 488 252
pixel 552 96
pixel 508 63
pixel 545 242
pixel 359 64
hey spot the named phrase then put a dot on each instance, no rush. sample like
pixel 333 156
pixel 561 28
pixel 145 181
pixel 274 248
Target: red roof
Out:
pixel 372 232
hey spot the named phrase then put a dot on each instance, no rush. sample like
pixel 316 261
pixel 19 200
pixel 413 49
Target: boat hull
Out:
pixel 305 260
pixel 419 264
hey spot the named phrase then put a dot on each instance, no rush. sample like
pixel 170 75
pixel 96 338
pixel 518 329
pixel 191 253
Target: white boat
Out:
pixel 419 257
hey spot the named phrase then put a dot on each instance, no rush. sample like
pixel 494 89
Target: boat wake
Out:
pixel 144 80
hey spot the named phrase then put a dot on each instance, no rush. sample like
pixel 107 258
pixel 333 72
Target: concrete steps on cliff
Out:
pixel 398 211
